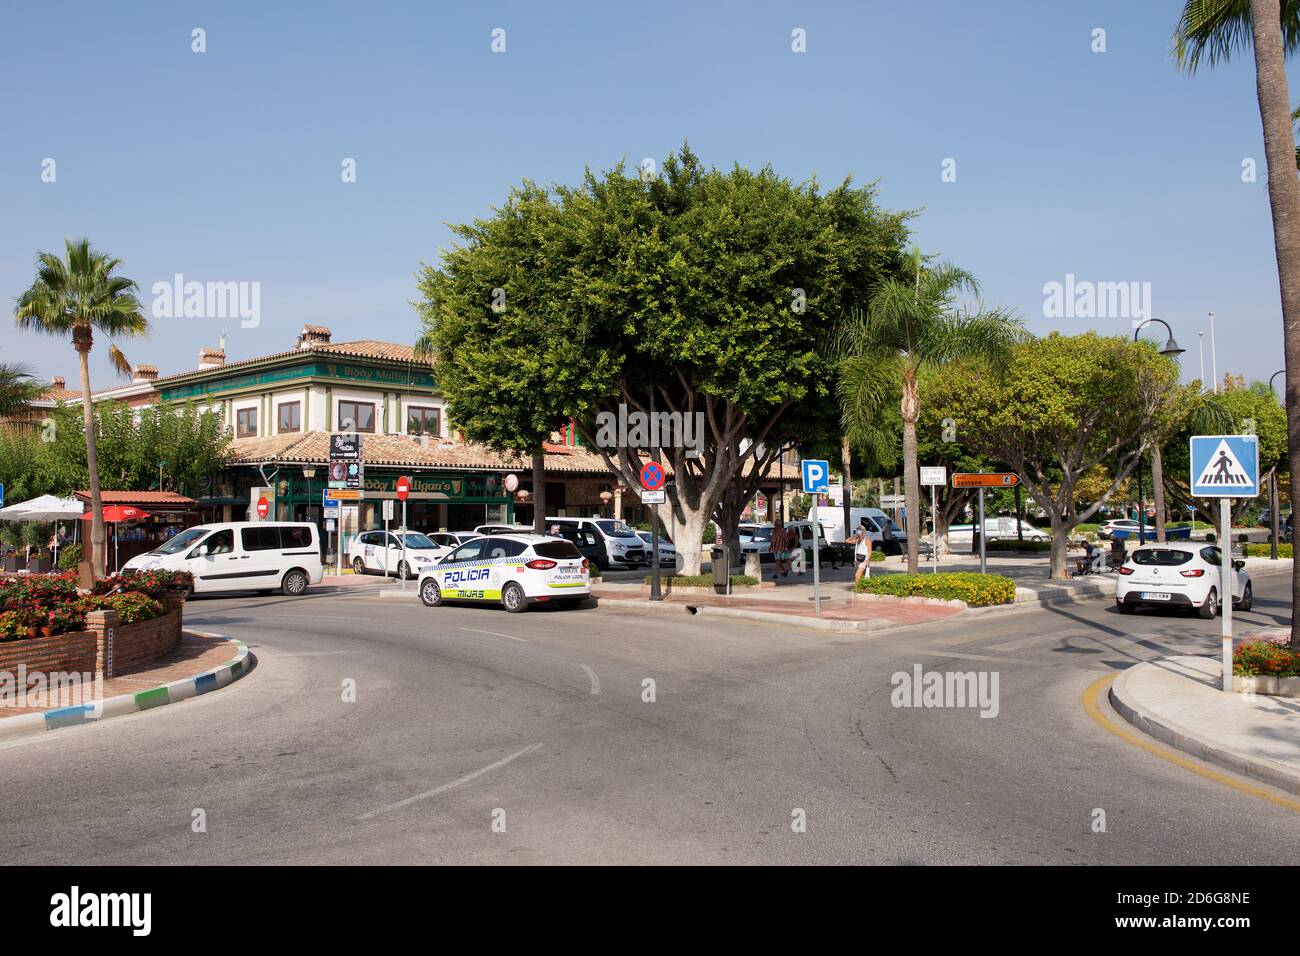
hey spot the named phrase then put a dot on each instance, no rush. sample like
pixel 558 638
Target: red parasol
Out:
pixel 116 513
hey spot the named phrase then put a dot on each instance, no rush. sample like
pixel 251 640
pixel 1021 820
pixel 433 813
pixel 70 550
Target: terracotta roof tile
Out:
pixel 139 497
pixel 403 451
pixel 364 348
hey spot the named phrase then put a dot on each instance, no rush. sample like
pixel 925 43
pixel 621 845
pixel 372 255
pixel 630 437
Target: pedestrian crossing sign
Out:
pixel 1225 466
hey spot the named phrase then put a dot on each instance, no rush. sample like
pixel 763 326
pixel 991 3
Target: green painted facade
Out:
pixel 314 369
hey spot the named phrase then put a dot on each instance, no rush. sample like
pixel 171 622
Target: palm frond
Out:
pixel 987 336
pixel 1210 32
pixel 118 360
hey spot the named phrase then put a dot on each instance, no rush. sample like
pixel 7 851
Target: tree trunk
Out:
pixel 911 407
pixel 97 537
pixel 1060 537
pixel 690 533
pixel 846 460
pixel 1158 491
pixel 1284 201
pixel 539 492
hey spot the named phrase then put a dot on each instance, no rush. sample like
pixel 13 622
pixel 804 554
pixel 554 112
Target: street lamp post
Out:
pixel 1172 350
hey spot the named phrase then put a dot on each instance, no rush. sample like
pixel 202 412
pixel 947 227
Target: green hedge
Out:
pixel 1087 526
pixel 704 580
pixel 977 590
pixel 1266 550
pixel 1012 544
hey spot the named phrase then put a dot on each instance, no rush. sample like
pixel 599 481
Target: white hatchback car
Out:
pixel 516 570
pixel 1179 575
pixel 368 554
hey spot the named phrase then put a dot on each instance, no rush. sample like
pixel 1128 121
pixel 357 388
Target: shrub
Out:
pixel 1266 550
pixel 69 557
pixel 1012 544
pixel 705 580
pixel 12 626
pixel 977 590
pixel 37 589
pixel 153 583
pixel 132 607
pixel 1265 658
pixel 1087 526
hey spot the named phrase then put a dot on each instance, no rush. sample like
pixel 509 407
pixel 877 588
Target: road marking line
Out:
pixel 595 680
pixel 495 634
pixel 193 630
pixel 449 786
pixel 976 657
pixel 1093 709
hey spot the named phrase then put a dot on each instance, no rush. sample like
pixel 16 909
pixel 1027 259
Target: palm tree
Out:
pixel 17 389
pixel 1212 31
pixel 76 297
pixel 911 323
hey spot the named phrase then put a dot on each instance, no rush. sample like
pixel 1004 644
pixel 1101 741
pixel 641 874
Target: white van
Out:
pixel 1001 527
pixel 623 548
pixel 241 556
pixel 877 521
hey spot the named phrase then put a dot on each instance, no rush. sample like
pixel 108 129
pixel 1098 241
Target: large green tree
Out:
pixel 75 297
pixel 913 324
pixel 1210 32
pixel 1060 406
pixel 511 360
pixel 694 291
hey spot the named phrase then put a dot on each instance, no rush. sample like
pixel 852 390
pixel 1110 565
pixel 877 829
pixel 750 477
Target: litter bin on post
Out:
pixel 721 569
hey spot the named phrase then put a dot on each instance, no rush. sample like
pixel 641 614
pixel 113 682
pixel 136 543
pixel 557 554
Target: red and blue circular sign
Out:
pixel 652 476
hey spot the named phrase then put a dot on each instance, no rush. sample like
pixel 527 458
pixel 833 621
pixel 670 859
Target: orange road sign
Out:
pixel 1003 479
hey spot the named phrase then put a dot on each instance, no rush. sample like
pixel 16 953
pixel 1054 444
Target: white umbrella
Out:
pixel 45 508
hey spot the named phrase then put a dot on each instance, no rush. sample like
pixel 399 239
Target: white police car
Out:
pixel 515 569
pixel 381 552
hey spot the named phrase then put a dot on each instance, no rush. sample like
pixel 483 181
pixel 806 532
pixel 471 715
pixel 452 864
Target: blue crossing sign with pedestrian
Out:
pixel 1225 466
pixel 816 477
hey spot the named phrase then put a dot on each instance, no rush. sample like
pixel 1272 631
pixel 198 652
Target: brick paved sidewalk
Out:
pixel 193 656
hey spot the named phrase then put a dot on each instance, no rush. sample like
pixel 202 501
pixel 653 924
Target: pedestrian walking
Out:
pixel 861 551
pixel 777 547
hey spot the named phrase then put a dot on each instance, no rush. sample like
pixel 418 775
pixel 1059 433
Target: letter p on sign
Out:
pixel 816 477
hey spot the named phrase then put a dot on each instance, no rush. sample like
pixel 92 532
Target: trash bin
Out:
pixel 721 570
pixel 1118 553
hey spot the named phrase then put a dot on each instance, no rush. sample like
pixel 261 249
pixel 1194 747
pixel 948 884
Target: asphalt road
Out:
pixel 466 717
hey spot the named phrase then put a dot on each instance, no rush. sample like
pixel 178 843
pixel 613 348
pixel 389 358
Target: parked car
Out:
pixel 517 570
pixel 503 529
pixel 369 555
pixel 761 539
pixel 623 549
pixel 241 556
pixel 1180 576
pixel 667 550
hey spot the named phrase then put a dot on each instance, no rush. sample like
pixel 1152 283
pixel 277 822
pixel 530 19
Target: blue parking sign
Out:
pixel 816 477
pixel 1225 466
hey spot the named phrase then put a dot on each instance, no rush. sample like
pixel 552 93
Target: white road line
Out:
pixel 194 630
pixel 495 634
pixel 591 676
pixel 976 657
pixel 449 786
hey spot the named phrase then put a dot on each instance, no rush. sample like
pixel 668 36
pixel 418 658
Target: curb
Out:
pixel 834 625
pixel 1180 738
pixel 184 689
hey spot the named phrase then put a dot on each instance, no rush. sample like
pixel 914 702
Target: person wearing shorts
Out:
pixel 861 552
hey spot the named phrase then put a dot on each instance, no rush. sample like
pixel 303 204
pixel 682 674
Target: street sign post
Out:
pixel 403 490
pixel 933 476
pixel 974 479
pixel 816 481
pixel 653 478
pixel 1225 467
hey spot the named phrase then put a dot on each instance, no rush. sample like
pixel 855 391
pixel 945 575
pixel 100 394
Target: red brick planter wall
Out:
pixel 72 652
pixel 133 645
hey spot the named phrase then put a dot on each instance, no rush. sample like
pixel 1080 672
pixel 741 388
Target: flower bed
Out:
pixel 976 590
pixel 1265 659
pixel 34 607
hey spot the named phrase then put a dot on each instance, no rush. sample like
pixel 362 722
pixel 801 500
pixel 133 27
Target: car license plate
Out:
pixel 1156 595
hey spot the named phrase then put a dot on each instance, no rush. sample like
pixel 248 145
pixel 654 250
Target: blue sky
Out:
pixel 225 165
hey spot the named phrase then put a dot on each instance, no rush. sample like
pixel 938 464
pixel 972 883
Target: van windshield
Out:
pixel 182 541
pixel 616 529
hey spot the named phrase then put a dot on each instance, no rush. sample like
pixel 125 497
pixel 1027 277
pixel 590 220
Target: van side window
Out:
pixel 220 542
pixel 295 538
pixel 260 539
